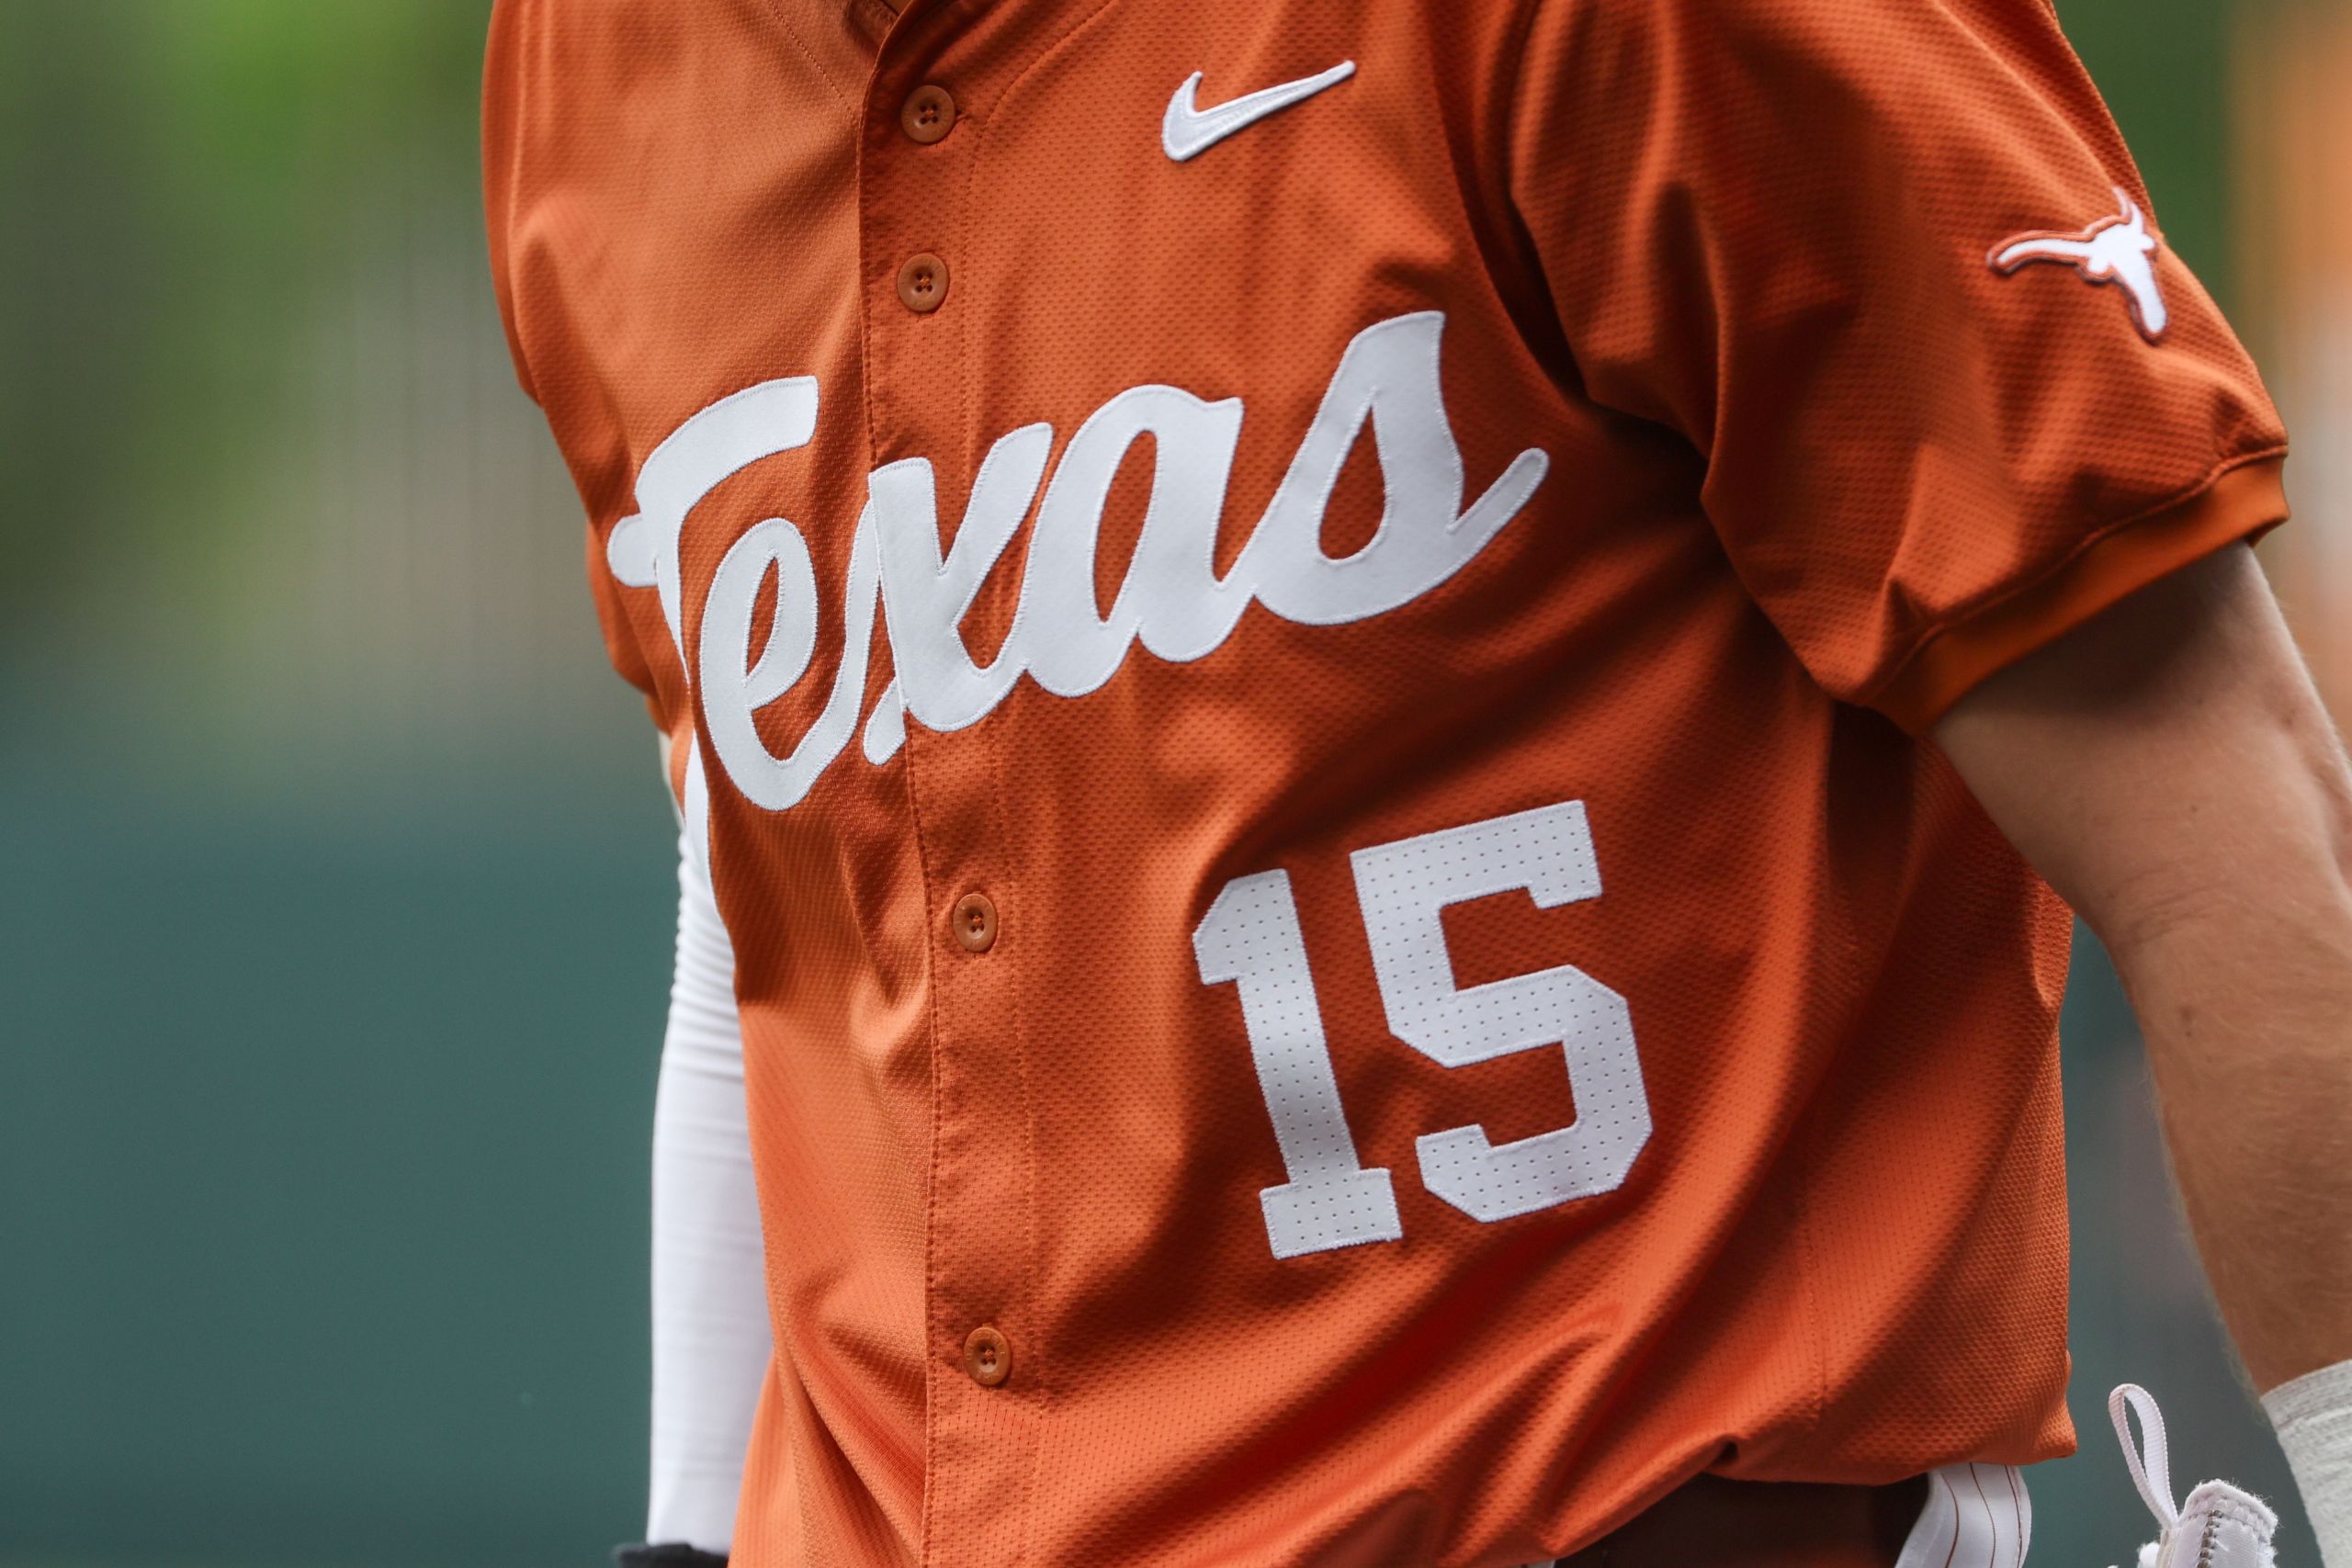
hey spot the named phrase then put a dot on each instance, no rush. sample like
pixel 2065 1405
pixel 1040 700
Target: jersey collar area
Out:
pixel 874 18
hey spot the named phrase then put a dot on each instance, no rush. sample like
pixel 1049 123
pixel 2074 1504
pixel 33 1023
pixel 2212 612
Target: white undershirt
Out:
pixel 710 1320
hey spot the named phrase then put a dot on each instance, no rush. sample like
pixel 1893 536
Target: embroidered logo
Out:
pixel 2113 250
pixel 1186 131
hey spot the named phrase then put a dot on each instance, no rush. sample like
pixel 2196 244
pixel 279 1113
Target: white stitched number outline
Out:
pixel 1250 938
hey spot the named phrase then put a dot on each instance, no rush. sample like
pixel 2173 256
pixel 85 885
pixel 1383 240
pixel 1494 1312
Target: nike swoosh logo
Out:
pixel 1187 131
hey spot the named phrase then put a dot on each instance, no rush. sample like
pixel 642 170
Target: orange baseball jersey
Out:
pixel 1301 634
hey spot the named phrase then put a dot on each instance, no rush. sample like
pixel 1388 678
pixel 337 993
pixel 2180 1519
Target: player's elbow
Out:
pixel 2253 890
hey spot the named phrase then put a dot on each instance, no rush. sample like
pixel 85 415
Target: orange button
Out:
pixel 923 282
pixel 928 114
pixel 988 1356
pixel 975 923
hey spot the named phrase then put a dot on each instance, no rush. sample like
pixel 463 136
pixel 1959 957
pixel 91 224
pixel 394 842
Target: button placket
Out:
pixel 915 170
pixel 980 1247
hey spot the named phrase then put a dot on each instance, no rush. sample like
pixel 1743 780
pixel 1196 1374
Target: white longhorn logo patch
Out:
pixel 1171 601
pixel 2114 250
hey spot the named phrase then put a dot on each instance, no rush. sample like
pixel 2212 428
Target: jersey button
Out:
pixel 928 115
pixel 923 282
pixel 975 923
pixel 988 1356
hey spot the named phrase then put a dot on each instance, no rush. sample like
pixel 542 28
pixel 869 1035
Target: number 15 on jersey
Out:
pixel 1251 939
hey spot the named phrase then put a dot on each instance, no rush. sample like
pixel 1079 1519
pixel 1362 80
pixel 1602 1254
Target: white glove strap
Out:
pixel 2150 1460
pixel 2314 1414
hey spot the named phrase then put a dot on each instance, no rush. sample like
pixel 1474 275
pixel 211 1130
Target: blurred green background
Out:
pixel 336 876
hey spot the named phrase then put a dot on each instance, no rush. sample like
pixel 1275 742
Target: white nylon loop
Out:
pixel 2152 1468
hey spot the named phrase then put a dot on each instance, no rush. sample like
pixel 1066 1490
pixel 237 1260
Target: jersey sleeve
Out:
pixel 1791 231
pixel 507 126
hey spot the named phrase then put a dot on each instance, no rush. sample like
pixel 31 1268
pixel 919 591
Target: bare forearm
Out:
pixel 2169 767
pixel 2247 1012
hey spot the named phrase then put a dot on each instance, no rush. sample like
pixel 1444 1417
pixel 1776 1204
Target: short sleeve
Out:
pixel 502 120
pixel 1888 267
pixel 514 45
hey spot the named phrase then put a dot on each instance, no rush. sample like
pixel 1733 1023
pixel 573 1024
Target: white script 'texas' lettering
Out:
pixel 1170 599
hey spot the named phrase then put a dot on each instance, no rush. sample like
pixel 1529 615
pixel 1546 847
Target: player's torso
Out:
pixel 1272 860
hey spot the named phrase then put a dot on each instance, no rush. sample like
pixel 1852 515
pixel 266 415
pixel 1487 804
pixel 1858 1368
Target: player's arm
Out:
pixel 710 1325
pixel 2168 767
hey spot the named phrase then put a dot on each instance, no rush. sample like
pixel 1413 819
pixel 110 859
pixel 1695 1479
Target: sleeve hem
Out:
pixel 2244 498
